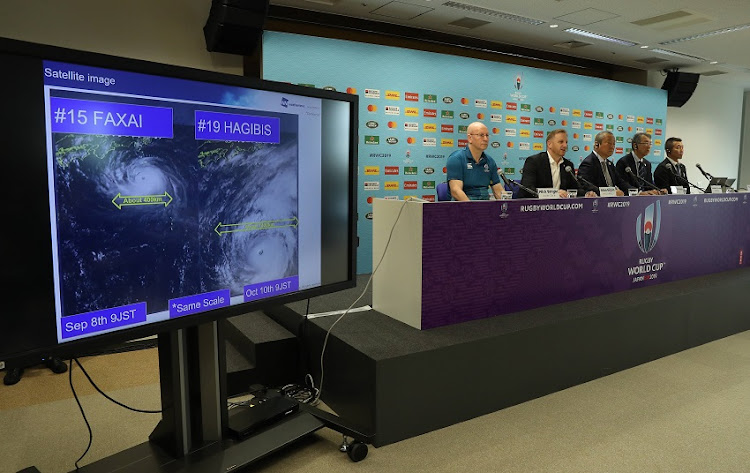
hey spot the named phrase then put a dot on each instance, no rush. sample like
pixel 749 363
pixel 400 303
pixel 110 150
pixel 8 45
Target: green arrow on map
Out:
pixel 121 201
pixel 223 228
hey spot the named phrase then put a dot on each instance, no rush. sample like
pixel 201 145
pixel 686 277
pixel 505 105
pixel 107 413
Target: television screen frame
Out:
pixel 28 328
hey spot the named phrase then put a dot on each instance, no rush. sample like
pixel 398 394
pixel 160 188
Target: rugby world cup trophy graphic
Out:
pixel 647 227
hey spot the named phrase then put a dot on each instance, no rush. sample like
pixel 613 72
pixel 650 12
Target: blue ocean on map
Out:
pixel 151 219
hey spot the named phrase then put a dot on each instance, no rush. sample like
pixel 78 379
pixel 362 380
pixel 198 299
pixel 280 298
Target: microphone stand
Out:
pixel 521 186
pixel 579 178
pixel 530 191
pixel 685 180
pixel 639 178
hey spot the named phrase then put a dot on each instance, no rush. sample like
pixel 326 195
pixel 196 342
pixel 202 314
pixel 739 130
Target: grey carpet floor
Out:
pixel 688 412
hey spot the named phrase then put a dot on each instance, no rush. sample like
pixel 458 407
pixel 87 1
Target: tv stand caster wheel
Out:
pixel 356 450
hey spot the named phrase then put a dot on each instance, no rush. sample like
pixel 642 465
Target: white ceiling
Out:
pixel 665 20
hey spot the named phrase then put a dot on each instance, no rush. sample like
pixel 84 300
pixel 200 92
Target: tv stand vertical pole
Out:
pixel 192 390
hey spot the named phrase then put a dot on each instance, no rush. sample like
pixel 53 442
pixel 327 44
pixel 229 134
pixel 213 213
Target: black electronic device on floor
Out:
pixel 246 420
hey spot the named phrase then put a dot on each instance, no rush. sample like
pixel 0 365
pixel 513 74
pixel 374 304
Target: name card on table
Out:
pixel 678 189
pixel 548 193
pixel 716 189
pixel 608 192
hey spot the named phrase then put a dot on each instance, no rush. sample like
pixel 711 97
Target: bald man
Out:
pixel 471 171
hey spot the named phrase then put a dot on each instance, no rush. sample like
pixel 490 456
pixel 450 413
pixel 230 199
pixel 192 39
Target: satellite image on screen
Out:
pixel 148 219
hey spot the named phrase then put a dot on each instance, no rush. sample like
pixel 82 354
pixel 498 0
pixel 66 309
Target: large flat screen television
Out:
pixel 141 197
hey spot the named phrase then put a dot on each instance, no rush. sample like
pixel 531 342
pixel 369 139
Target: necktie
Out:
pixel 607 177
pixel 642 170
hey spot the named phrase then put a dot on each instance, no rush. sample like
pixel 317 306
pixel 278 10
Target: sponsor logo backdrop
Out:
pixel 415 105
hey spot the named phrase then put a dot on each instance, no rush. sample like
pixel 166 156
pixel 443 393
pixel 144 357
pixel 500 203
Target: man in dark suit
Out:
pixel 639 165
pixel 667 172
pixel 548 169
pixel 598 169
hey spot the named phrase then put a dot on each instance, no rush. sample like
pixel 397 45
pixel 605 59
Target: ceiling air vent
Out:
pixel 469 23
pixel 571 44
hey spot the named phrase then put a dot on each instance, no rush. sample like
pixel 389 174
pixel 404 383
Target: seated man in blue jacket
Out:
pixel 471 171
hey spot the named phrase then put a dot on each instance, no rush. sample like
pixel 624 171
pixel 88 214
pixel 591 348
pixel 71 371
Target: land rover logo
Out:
pixel 552 123
pixel 328 87
pixel 372 124
pixel 495 144
pixel 610 116
pixel 464 115
pixel 539 108
pixel 575 148
pixel 447 100
pixel 368 215
pixel 391 140
pixel 620 128
pixel 429 170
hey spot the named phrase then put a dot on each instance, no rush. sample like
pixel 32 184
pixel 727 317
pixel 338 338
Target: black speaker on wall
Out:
pixel 235 26
pixel 680 87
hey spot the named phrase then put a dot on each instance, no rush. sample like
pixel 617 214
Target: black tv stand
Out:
pixel 194 432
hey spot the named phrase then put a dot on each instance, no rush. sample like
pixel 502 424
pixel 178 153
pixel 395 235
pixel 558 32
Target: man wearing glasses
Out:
pixel 638 164
pixel 471 171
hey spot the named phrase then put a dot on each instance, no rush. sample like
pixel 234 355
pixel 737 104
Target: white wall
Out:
pixel 710 125
pixel 164 31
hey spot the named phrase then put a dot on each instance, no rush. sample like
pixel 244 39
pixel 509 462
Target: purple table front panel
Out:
pixel 481 259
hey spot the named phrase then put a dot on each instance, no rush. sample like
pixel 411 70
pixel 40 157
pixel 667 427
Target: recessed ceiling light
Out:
pixel 602 37
pixel 553 26
pixel 680 55
pixel 714 62
pixel 704 35
pixel 644 47
pixel 495 13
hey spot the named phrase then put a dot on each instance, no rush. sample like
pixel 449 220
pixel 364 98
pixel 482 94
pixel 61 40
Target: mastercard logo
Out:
pixel 575 136
pixel 351 90
pixel 464 101
pixel 619 117
pixel 410 140
pixel 586 148
pixel 509 144
pixel 372 108
pixel 480 116
pixel 552 110
pixel 495 131
pixel 445 170
pixel 630 128
pixel 392 124
pixel 369 200
pixel 564 123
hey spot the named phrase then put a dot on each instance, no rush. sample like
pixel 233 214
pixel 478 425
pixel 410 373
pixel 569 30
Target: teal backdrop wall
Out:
pixel 415 106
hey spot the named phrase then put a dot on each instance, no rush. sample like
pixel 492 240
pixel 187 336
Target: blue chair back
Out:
pixel 443 192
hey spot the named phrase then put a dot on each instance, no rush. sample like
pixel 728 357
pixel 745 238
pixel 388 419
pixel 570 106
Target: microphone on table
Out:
pixel 639 178
pixel 509 181
pixel 677 175
pixel 705 174
pixel 579 179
